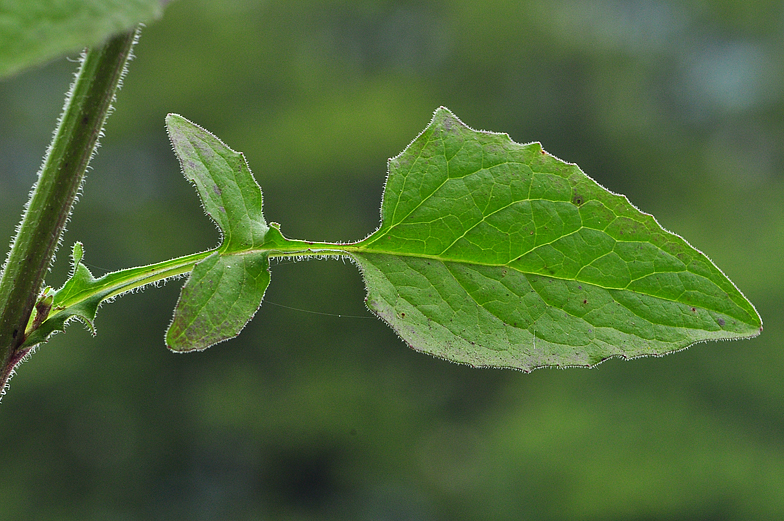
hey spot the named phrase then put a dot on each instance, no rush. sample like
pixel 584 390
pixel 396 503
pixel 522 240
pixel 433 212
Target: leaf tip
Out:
pixel 175 122
pixel 77 252
pixel 180 342
pixel 174 341
pixel 443 115
pixel 180 349
pixel 173 116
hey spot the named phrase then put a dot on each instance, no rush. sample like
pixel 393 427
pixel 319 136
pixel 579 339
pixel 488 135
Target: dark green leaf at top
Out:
pixel 33 32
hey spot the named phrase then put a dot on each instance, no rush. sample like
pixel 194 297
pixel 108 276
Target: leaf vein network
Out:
pixel 204 303
pixel 405 175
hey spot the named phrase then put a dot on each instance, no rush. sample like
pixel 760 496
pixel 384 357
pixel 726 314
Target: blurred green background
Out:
pixel 678 105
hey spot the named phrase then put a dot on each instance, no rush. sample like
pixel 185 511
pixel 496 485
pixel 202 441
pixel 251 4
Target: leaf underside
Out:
pixel 220 297
pixel 224 290
pixel 493 253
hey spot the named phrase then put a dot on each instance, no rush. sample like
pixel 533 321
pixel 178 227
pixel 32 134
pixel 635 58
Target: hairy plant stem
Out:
pixel 122 281
pixel 86 108
pixel 116 283
pixel 129 279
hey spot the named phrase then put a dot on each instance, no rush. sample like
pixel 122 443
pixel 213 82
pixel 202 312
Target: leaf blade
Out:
pixel 229 193
pixel 220 297
pixel 462 206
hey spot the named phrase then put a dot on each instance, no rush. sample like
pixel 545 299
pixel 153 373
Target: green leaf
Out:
pixel 220 297
pixel 230 195
pixel 33 32
pixel 225 289
pixel 493 253
pixel 489 253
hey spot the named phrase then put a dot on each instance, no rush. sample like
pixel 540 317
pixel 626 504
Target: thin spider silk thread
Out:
pixel 315 312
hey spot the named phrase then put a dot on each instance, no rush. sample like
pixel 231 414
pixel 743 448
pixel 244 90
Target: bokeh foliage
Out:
pixel 677 105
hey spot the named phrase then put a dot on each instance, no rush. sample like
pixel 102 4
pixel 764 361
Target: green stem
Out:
pixel 74 143
pixel 122 281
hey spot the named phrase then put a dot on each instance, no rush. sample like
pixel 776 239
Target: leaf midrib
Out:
pixel 360 250
pixel 298 248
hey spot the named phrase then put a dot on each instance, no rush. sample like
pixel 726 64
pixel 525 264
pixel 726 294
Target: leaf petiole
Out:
pixel 81 295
